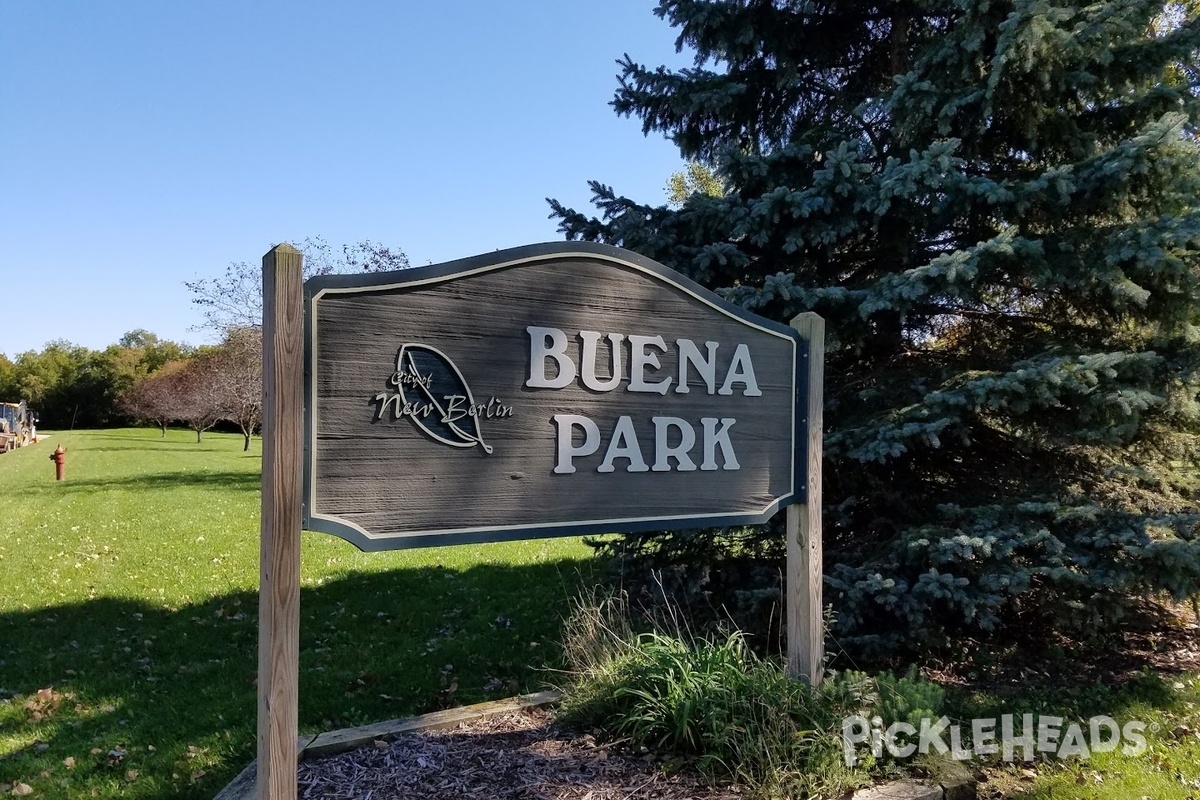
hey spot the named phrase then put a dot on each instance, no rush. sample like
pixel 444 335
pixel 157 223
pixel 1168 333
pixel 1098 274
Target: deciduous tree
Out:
pixel 694 178
pixel 199 394
pixel 239 365
pixel 156 398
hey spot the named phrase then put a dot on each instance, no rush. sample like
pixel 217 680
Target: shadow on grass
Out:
pixel 141 435
pixel 221 481
pixel 165 448
pixel 171 692
pixel 145 441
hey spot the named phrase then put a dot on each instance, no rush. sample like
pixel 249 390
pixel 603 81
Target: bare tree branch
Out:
pixel 234 298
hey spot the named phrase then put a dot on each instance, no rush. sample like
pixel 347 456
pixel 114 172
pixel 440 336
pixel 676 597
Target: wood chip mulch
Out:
pixel 518 755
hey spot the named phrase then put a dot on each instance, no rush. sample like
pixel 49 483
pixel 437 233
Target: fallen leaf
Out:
pixel 69 762
pixel 22 789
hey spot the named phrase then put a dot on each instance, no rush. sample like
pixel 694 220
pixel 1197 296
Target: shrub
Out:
pixel 714 702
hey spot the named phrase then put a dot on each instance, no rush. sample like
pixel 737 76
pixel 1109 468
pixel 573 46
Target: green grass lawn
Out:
pixel 128 618
pixel 128 633
pixel 1167 769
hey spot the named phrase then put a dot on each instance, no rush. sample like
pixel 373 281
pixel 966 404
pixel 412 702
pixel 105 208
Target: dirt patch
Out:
pixel 519 755
pixel 1163 638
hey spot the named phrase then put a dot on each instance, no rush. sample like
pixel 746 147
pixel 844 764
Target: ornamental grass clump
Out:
pixel 712 702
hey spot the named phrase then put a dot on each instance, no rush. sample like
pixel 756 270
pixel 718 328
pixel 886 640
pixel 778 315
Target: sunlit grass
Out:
pixel 128 595
pixel 1168 768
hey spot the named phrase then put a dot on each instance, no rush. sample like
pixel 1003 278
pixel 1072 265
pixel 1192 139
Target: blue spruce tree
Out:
pixel 994 206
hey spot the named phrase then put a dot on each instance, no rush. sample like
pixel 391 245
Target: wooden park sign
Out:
pixel 549 390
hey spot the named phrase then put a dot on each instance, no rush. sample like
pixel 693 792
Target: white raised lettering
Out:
pixel 663 451
pixel 588 371
pixel 565 425
pixel 455 410
pixel 545 344
pixel 715 437
pixel 624 444
pixel 706 368
pixel 639 360
pixel 741 370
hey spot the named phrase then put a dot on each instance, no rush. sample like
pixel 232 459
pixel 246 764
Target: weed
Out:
pixel 714 702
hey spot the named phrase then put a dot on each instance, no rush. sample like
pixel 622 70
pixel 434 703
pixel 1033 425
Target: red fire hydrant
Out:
pixel 59 457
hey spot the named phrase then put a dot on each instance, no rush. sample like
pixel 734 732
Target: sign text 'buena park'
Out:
pixel 555 362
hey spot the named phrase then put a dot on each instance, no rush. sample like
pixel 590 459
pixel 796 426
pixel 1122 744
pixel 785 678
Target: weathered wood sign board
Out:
pixel 547 390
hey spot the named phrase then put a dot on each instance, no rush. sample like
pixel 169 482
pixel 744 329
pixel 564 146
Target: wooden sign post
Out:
pixel 803 583
pixel 549 390
pixel 279 553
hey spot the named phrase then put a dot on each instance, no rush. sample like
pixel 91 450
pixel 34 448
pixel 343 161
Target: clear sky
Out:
pixel 143 144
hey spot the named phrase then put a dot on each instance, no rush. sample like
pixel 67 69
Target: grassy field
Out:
pixel 1167 769
pixel 128 634
pixel 128 618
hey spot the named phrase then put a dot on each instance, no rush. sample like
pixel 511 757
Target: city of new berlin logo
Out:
pixel 428 388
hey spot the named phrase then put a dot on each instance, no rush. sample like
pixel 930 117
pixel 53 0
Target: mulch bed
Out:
pixel 517 755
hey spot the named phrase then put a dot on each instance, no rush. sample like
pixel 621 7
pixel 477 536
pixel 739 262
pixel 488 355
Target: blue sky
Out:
pixel 145 144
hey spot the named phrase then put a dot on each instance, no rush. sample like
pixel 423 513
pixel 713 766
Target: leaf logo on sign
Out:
pixel 430 384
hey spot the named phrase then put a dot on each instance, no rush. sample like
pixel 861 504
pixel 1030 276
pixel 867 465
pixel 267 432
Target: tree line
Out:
pixel 213 385
pixel 143 378
pixel 67 383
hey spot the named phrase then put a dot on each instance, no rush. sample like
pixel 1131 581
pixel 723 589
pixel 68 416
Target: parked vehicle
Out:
pixel 16 426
